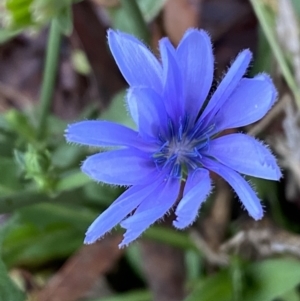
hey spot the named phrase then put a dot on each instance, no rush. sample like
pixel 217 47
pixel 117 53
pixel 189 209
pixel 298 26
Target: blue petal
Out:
pixel 117 211
pixel 172 81
pixel 196 190
pixel 245 155
pixel 238 183
pixel 196 61
pixel 158 204
pixel 103 133
pixel 150 110
pixel 120 167
pixel 227 85
pixel 135 61
pixel 252 99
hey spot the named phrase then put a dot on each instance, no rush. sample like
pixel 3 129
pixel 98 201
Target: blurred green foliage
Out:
pixel 24 14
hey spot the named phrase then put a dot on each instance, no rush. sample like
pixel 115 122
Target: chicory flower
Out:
pixel 177 139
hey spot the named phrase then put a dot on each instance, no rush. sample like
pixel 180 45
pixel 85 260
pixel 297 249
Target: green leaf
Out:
pixel 133 255
pixel 7 34
pixel 73 180
pixel 9 180
pixel 296 4
pixel 8 290
pixel 292 295
pixel 46 232
pixel 13 201
pixel 272 278
pixel 27 245
pixel 102 194
pixel 20 13
pixel 20 123
pixel 80 62
pixel 193 265
pixel 267 190
pixel 217 287
pixel 264 60
pixel 117 111
pixel 65 19
pixel 68 155
pixel 127 17
pixel 150 9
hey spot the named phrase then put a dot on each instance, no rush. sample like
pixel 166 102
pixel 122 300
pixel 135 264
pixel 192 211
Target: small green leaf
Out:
pixel 9 180
pixel 128 17
pixel 20 123
pixel 46 232
pixel 217 287
pixel 100 193
pixel 117 111
pixel 272 278
pixel 7 34
pixel 133 255
pixel 20 13
pixel 150 9
pixel 73 180
pixel 193 264
pixel 65 19
pixel 296 4
pixel 8 290
pixel 80 62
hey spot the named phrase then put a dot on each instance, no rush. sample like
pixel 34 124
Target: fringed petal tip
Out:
pixel 90 238
pixel 246 155
pixel 126 242
pixel 256 212
pixel 196 31
pixel 180 223
pixel 274 93
pixel 196 60
pixel 68 133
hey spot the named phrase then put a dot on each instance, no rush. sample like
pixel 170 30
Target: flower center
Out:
pixel 181 147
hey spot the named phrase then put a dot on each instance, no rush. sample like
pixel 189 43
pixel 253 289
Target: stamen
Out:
pixel 171 128
pixel 180 131
pixel 185 122
pixel 176 171
pixel 182 146
pixel 161 138
pixel 197 152
pixel 195 131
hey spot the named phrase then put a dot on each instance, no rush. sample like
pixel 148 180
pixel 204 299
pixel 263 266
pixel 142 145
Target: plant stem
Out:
pixel 50 71
pixel 278 53
pixel 133 11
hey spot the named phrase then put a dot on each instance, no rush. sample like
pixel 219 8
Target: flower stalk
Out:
pixel 258 7
pixel 50 72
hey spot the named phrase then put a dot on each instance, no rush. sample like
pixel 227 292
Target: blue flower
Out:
pixel 177 141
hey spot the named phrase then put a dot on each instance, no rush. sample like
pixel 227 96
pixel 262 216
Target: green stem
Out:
pixel 50 71
pixel 258 7
pixel 133 11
